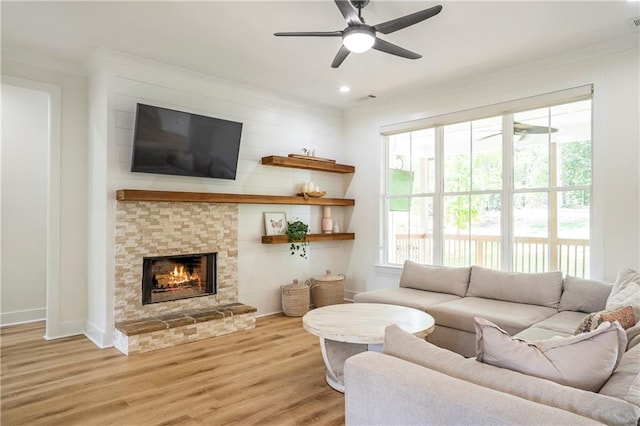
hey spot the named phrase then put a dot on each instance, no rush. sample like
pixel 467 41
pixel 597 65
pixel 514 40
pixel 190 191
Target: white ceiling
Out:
pixel 234 40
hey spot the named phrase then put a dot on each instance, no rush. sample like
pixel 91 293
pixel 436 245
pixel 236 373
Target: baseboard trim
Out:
pixel 97 336
pixel 349 295
pixel 67 329
pixel 22 317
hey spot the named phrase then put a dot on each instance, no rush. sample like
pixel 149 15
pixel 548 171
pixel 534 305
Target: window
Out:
pixel 506 191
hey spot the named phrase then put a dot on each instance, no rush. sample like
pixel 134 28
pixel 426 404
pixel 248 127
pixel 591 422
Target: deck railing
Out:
pixel 531 254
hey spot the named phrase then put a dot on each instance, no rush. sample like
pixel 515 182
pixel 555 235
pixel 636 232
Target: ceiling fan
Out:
pixel 524 129
pixel 359 37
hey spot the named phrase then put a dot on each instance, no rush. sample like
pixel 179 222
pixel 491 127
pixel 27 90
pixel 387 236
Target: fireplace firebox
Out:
pixel 166 278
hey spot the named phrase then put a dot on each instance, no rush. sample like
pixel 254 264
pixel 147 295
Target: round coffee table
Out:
pixel 348 329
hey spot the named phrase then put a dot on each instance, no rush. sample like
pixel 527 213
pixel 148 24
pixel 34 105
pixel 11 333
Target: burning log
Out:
pixel 169 280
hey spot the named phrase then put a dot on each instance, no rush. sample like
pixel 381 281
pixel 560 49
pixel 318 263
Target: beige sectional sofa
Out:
pixel 440 382
pixel 525 305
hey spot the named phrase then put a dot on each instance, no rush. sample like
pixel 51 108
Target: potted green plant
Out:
pixel 297 233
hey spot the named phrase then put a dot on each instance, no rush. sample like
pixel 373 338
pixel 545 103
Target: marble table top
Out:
pixel 363 322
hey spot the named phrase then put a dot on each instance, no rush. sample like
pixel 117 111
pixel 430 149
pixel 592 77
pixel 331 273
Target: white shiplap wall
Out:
pixel 272 125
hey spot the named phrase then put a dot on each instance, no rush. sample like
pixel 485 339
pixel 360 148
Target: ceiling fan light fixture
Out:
pixel 359 39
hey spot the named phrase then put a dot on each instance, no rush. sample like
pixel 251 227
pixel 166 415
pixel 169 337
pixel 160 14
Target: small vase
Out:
pixel 327 222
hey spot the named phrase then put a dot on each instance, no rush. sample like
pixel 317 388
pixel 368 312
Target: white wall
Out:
pixel 25 144
pixel 612 68
pixel 271 126
pixel 70 221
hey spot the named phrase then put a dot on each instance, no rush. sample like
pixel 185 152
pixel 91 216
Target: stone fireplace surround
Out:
pixel 160 228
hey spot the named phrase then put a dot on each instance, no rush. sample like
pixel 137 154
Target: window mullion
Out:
pixel 438 219
pixel 506 237
pixel 384 245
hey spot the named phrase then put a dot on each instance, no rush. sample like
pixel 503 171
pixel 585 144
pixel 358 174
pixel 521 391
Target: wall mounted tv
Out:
pixel 172 142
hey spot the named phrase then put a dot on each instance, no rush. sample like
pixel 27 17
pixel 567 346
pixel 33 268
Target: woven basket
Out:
pixel 295 299
pixel 327 290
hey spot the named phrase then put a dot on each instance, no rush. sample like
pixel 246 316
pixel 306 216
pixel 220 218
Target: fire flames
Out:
pixel 179 277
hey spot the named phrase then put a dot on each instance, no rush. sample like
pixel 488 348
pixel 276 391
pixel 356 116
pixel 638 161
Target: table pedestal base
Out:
pixel 335 354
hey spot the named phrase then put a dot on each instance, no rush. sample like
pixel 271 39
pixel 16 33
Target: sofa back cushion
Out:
pixel 625 381
pixel 541 288
pixel 605 409
pixel 579 294
pixel 441 279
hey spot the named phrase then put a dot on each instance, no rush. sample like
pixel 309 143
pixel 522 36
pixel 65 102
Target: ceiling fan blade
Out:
pixel 526 129
pixel 340 57
pixel 349 13
pixel 385 46
pixel 310 34
pixel 406 21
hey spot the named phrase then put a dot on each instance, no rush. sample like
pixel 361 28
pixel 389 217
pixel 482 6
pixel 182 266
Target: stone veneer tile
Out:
pixel 177 322
pixel 207 315
pixel 238 308
pixel 130 328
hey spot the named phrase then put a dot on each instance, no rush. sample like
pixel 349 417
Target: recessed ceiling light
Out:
pixel 344 89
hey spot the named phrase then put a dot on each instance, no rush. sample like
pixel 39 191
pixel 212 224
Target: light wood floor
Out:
pixel 272 375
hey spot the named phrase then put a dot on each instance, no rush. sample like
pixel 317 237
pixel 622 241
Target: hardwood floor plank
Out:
pixel 272 375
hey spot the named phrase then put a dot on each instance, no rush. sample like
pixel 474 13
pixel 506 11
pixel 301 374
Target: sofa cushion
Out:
pixel 565 322
pixel 579 294
pixel 585 361
pixel 418 299
pixel 562 324
pixel 513 317
pixel 542 288
pixel 536 333
pixel 624 316
pixel 625 381
pixel 441 279
pixel 629 295
pixel 605 409
pixel 633 335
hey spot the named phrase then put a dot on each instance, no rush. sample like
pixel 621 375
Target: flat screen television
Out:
pixel 172 142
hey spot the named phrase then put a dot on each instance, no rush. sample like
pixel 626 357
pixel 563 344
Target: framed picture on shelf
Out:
pixel 275 223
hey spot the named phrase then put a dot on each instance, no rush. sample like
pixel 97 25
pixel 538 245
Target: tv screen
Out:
pixel 172 142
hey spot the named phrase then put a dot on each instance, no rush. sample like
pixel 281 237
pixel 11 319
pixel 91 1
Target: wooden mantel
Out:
pixel 206 197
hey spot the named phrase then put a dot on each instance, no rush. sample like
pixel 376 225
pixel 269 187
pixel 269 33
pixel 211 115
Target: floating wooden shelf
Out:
pixel 205 197
pixel 301 163
pixel 283 239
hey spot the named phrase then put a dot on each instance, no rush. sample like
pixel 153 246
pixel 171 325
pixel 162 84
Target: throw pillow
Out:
pixel 625 279
pixel 627 295
pixel 624 316
pixel 585 361
pixel 625 276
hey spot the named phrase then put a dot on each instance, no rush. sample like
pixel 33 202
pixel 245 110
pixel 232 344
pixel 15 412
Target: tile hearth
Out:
pixel 148 334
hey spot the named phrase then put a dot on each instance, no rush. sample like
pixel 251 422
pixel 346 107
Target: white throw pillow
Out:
pixel 585 361
pixel 629 295
pixel 625 276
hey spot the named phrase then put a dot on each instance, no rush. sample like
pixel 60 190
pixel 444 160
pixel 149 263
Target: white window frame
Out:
pixel 506 110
